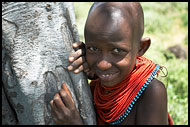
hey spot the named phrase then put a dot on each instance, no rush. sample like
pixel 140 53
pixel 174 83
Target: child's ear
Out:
pixel 144 45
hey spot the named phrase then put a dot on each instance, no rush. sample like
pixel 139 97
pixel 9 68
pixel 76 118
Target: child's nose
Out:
pixel 104 65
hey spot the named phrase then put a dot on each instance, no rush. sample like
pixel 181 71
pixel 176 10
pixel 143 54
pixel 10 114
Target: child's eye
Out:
pixel 92 48
pixel 118 50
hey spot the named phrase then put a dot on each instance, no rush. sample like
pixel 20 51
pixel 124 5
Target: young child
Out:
pixel 124 88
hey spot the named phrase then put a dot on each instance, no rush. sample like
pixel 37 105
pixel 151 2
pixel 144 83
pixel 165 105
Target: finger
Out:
pixel 78 45
pixel 67 99
pixel 76 55
pixel 84 67
pixel 64 87
pixel 57 101
pixel 76 63
pixel 54 109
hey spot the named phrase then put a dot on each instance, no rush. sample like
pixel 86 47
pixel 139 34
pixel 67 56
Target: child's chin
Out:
pixel 108 83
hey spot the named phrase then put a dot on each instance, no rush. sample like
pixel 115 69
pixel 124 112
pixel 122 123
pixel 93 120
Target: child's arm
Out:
pixel 63 108
pixel 78 60
pixel 152 106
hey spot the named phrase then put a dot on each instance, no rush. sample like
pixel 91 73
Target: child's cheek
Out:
pixel 126 65
pixel 90 60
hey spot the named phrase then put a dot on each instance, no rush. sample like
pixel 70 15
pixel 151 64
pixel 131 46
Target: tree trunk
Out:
pixel 36 43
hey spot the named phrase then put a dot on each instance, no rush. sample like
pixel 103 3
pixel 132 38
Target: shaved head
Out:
pixel 113 15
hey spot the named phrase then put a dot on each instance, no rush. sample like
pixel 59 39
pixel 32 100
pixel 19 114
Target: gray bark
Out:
pixel 36 42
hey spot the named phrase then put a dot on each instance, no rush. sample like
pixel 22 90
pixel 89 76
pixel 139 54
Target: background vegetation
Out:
pixel 166 23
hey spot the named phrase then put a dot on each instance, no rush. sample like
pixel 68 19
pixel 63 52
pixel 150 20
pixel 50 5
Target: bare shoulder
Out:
pixel 152 105
pixel 156 88
pixel 155 91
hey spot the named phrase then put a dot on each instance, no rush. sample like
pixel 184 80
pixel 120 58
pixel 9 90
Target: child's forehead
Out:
pixel 113 30
pixel 110 21
pixel 115 12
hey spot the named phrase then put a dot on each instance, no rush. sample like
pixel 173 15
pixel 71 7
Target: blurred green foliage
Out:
pixel 166 23
pixel 81 12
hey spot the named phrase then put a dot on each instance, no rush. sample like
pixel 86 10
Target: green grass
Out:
pixel 166 23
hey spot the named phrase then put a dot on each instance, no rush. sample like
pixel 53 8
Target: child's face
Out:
pixel 110 50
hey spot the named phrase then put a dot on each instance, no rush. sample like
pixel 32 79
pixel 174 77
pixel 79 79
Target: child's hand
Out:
pixel 63 108
pixel 77 59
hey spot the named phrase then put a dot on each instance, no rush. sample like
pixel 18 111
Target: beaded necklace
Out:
pixel 114 107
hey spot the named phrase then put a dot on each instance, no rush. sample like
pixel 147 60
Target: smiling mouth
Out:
pixel 108 77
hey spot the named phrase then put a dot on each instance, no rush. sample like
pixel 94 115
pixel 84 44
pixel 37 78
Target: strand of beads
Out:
pixel 126 113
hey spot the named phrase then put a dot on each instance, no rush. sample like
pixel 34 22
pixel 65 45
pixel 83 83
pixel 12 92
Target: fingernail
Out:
pixel 74 45
pixel 76 71
pixel 71 59
pixel 70 68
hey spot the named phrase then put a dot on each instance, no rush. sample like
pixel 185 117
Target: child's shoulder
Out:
pixel 156 87
pixel 155 91
pixel 152 105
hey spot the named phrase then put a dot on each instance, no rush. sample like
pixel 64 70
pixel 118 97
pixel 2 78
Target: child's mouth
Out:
pixel 108 76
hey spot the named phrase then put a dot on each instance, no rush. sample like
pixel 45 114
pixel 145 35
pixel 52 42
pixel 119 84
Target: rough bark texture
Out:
pixel 36 42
